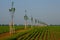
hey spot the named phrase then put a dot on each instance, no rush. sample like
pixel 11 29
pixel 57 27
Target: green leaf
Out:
pixel 26 17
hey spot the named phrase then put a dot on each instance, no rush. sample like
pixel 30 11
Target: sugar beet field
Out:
pixel 34 33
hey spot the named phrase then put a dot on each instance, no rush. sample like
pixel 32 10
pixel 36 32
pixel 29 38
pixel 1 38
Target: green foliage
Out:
pixel 12 10
pixel 42 33
pixel 26 17
pixel 4 29
pixel 31 19
pixel 35 20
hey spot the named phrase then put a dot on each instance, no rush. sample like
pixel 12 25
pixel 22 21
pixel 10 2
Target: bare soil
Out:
pixel 7 34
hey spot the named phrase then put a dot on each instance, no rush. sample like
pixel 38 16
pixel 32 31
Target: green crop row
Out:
pixel 4 29
pixel 18 35
pixel 30 35
pixel 37 33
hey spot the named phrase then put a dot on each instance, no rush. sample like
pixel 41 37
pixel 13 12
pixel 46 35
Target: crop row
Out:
pixel 37 33
pixel 40 33
pixel 4 29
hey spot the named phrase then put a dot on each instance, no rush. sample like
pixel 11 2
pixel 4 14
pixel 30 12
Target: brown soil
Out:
pixel 52 36
pixel 6 35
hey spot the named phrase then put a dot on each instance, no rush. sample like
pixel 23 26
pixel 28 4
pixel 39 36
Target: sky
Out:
pixel 44 10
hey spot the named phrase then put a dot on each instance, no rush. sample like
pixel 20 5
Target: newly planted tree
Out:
pixel 25 18
pixel 31 22
pixel 12 10
pixel 35 22
pixel 38 22
pixel 43 23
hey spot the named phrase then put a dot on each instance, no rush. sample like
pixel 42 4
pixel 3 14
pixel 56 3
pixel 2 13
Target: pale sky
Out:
pixel 44 10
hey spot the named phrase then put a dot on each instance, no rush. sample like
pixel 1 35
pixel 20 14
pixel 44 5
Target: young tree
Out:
pixel 31 22
pixel 35 21
pixel 38 22
pixel 41 23
pixel 44 24
pixel 25 18
pixel 12 10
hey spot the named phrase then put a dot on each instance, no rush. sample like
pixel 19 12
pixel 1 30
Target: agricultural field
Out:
pixel 4 29
pixel 34 33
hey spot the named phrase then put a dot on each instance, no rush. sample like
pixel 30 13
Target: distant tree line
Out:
pixel 14 25
pixel 54 25
pixel 22 25
pixel 7 24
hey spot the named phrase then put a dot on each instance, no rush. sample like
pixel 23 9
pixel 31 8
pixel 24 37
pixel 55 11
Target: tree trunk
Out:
pixel 11 24
pixel 31 24
pixel 13 28
pixel 25 24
